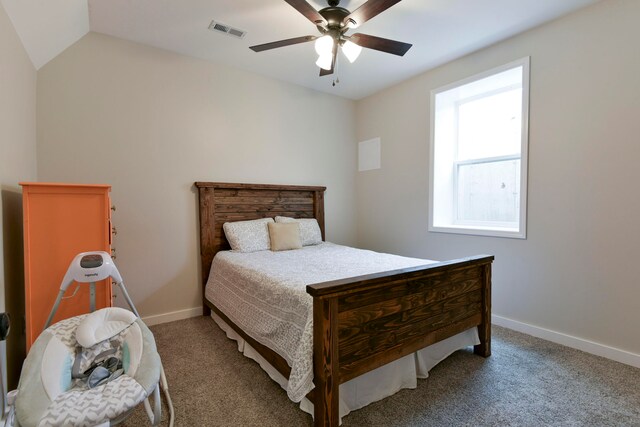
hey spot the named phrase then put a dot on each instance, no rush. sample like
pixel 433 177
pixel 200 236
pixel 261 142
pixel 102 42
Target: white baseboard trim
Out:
pixel 587 346
pixel 172 316
pixel 602 350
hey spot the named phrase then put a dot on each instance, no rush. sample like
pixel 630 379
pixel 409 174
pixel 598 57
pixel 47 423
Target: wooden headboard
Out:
pixel 226 202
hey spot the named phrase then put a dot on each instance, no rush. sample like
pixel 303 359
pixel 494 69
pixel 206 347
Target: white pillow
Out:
pixel 309 229
pixel 248 236
pixel 102 324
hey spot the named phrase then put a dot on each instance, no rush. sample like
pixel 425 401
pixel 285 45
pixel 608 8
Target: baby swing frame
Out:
pixel 90 267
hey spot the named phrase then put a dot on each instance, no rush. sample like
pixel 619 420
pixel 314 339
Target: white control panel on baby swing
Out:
pixel 89 267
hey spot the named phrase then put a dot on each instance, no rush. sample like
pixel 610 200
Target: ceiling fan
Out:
pixel 333 22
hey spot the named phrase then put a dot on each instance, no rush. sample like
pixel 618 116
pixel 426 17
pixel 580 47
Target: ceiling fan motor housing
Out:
pixel 335 17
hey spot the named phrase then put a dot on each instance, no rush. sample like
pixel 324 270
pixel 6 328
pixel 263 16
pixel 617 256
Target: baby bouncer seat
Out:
pixel 93 369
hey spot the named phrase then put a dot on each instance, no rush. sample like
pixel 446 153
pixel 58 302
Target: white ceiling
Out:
pixel 47 27
pixel 440 30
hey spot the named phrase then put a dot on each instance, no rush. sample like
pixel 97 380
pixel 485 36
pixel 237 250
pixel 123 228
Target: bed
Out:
pixel 363 322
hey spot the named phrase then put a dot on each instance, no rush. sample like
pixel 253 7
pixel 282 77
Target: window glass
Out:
pixel 490 126
pixel 489 192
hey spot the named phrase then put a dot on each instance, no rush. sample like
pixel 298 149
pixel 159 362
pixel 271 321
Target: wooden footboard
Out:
pixel 360 323
pixel 365 322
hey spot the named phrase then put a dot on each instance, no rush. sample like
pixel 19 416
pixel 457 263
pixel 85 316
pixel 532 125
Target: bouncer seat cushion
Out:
pixel 49 396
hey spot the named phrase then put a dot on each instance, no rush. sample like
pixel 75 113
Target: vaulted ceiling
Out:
pixel 440 31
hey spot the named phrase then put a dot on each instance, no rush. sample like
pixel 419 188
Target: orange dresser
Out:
pixel 60 221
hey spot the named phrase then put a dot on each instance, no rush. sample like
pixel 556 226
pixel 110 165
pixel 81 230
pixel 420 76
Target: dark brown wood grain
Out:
pixel 377 337
pixel 253 188
pixel 369 9
pixel 426 288
pixel 208 245
pixel 360 323
pixel 358 367
pixel 484 328
pixel 380 280
pixel 318 209
pixel 276 207
pixel 325 366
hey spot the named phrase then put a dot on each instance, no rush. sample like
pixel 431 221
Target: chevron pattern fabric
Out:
pixel 89 355
pixel 65 330
pixel 85 408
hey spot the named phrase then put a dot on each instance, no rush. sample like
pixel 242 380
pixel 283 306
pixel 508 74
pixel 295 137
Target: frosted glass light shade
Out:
pixel 324 61
pixel 324 45
pixel 351 50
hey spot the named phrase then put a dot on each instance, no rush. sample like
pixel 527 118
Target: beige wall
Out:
pixel 150 123
pixel 575 273
pixel 17 163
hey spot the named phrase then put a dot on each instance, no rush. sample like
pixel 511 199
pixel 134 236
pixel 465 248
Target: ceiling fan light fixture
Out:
pixel 351 50
pixel 324 61
pixel 324 45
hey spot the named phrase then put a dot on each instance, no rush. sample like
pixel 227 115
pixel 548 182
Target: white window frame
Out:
pixel 480 228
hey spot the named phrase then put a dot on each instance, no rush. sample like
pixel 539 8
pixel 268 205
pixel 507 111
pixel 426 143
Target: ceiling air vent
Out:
pixel 230 31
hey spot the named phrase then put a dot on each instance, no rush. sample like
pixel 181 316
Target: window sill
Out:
pixel 511 233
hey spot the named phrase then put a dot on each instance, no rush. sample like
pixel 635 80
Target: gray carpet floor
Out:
pixel 526 382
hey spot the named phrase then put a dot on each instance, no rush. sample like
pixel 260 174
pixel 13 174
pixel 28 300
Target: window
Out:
pixel 479 154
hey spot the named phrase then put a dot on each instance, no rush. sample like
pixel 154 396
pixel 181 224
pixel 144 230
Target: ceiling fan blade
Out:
pixel 334 58
pixel 308 11
pixel 367 11
pixel 378 43
pixel 282 43
pixel 324 72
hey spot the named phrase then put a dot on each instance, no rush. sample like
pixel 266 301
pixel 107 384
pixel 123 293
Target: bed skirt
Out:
pixel 374 385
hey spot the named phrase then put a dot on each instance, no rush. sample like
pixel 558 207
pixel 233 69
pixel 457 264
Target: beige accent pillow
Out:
pixel 284 236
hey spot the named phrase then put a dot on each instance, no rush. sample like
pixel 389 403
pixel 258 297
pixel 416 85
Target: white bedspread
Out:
pixel 264 293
